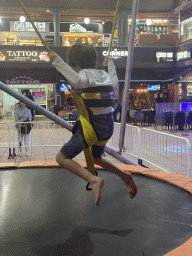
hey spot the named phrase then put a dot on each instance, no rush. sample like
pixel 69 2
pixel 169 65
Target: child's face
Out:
pixel 22 105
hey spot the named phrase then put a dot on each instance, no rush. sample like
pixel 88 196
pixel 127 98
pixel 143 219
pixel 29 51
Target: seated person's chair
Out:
pixel 168 118
pixel 74 115
pixel 180 120
pixel 150 116
pixel 138 116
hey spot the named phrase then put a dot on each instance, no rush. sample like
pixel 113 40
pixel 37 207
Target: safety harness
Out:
pixel 94 97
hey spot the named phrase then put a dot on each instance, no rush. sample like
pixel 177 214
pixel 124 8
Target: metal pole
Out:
pixel 57 119
pixel 119 157
pixel 128 74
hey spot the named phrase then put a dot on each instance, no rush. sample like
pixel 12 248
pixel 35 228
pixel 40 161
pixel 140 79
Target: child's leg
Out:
pixel 74 167
pixel 125 176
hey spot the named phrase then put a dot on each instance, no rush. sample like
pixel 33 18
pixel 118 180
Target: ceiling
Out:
pixel 96 10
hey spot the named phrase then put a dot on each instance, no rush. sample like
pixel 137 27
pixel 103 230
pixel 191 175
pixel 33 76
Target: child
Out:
pixel 81 74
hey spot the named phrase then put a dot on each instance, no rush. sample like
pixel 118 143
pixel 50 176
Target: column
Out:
pixel 120 19
pixel 56 20
pixel 184 92
pixel 125 29
pixel 57 93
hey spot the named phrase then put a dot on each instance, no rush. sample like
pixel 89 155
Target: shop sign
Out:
pixel 77 28
pixel 183 55
pixel 26 56
pixel 22 80
pixel 27 26
pixel 115 54
pixel 164 56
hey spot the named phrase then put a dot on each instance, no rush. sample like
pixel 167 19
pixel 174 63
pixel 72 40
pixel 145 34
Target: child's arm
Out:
pixel 74 79
pixel 112 73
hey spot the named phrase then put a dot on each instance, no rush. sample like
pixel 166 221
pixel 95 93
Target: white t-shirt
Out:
pixel 89 78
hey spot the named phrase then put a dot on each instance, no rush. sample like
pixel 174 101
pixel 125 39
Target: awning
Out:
pixel 186 79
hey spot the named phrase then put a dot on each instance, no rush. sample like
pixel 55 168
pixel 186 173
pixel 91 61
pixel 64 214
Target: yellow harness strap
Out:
pixel 88 132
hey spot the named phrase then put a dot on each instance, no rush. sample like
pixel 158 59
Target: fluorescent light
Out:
pixel 160 20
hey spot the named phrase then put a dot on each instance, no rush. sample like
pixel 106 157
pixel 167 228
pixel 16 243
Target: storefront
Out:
pixel 26 70
pixel 40 92
pixel 22 33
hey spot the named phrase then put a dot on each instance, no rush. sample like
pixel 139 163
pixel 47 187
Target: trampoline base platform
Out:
pixel 48 212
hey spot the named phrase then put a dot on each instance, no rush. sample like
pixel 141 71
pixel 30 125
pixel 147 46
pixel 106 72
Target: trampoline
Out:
pixel 47 211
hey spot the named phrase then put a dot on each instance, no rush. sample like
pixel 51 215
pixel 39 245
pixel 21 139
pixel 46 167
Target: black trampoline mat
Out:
pixel 48 212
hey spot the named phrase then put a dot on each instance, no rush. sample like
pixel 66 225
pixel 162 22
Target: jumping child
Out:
pixel 81 74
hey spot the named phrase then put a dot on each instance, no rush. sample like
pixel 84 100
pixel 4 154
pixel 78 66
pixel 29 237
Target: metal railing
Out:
pixel 5 137
pixel 155 149
pixel 42 134
pixel 132 140
pixel 150 148
pixel 165 152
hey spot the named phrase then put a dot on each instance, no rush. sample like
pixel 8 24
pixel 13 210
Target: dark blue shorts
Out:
pixel 103 126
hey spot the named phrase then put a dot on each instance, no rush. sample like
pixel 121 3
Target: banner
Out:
pixel 26 56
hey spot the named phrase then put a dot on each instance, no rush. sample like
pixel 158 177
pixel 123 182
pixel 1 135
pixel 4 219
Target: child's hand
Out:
pixel 52 56
pixel 107 59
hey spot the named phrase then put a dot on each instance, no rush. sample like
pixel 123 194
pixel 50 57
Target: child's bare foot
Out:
pixel 97 186
pixel 129 182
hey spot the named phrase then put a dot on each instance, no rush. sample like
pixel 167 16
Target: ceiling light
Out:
pixel 22 18
pixel 87 20
pixel 47 11
pixel 157 20
pixel 149 22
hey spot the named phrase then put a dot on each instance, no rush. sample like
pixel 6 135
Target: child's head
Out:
pixel 82 55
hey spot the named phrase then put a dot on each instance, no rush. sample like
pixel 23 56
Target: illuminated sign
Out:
pixel 77 28
pixel 26 56
pixel 22 80
pixel 164 56
pixel 115 54
pixel 38 94
pixel 183 55
pixel 27 26
pixel 153 87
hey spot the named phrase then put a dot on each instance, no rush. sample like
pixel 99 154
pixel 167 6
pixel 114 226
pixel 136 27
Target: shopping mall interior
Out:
pixel 47 210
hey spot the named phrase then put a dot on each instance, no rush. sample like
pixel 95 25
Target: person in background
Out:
pixel 158 99
pixel 22 114
pixel 165 100
pixel 30 96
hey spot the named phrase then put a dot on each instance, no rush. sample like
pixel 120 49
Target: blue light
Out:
pixel 175 148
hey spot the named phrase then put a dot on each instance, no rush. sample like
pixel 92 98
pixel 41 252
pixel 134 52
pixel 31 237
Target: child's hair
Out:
pixel 83 55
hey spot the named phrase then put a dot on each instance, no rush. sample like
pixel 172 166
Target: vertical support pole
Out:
pixel 120 19
pixel 125 30
pixel 128 74
pixel 56 20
